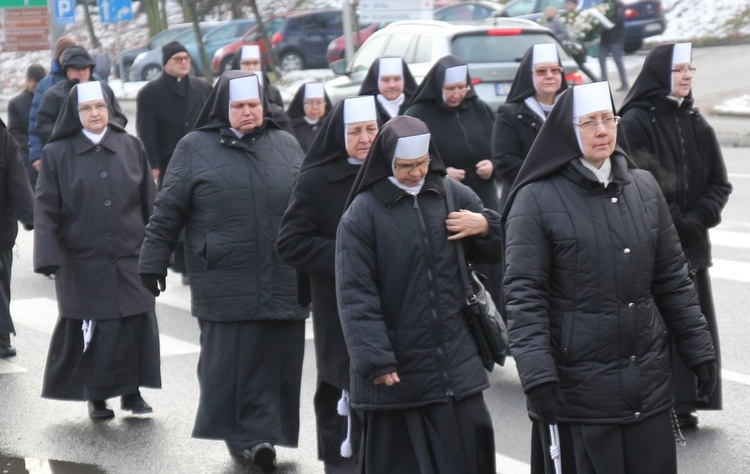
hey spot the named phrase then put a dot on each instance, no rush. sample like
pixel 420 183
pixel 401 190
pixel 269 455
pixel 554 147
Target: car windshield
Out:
pixel 484 48
pixel 166 36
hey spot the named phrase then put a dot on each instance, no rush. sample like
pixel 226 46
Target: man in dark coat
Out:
pixel 307 241
pixel 55 75
pixel 671 138
pixel 612 42
pixel 168 106
pixel 19 108
pixel 78 67
pixel 307 112
pixel 228 185
pixel 539 80
pixel 415 370
pixel 16 204
pixel 391 83
pixel 93 198
pixel 595 281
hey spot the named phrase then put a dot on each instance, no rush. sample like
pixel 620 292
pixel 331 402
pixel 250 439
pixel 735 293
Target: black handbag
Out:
pixel 485 323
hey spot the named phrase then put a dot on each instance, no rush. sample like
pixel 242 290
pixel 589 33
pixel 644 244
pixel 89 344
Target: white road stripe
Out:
pixel 730 270
pixel 726 238
pixel 9 368
pixel 738 175
pixel 735 377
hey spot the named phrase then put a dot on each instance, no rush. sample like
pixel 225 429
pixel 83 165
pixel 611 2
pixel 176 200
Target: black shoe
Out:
pixel 8 351
pixel 135 403
pixel 263 455
pixel 687 420
pixel 99 410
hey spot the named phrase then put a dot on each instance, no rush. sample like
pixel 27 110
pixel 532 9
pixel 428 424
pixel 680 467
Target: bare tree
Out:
pixel 90 25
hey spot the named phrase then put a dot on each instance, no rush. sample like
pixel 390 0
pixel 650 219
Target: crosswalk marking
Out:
pixel 730 270
pixel 725 238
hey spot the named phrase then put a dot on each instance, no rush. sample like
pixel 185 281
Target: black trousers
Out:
pixel 6 323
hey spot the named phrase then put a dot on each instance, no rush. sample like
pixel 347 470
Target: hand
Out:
pixel 37 165
pixel 706 374
pixel 455 173
pixel 154 283
pixel 465 224
pixel 388 379
pixel 544 400
pixel 485 169
pixel 155 174
pixel 49 271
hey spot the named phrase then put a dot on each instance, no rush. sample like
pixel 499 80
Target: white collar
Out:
pixel 309 120
pixel 391 106
pixel 413 190
pixel 603 174
pixel 94 137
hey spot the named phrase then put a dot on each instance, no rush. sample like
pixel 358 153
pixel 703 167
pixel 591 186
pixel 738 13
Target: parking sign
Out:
pixel 65 12
pixel 113 11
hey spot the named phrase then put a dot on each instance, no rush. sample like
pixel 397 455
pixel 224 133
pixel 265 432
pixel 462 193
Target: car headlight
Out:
pixel 219 53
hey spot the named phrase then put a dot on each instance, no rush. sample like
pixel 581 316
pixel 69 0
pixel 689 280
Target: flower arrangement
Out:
pixel 587 26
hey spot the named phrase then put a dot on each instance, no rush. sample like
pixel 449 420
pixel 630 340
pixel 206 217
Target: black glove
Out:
pixel 48 271
pixel 543 400
pixel 154 283
pixel 706 374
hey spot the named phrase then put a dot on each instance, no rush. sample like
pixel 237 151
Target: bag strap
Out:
pixel 463 270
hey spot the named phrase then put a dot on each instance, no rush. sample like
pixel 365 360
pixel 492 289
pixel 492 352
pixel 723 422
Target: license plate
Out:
pixel 653 27
pixel 502 88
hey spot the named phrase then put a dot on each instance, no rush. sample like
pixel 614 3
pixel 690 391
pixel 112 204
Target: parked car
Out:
pixel 222 59
pixel 147 65
pixel 218 37
pixel 336 48
pixel 125 59
pixel 492 50
pixel 466 11
pixel 643 18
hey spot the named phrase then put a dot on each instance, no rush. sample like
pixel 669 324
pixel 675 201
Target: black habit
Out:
pixel 302 130
pixel 371 86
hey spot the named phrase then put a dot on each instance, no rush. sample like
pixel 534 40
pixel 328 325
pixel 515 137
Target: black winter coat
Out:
pixel 677 145
pixel 167 111
pixel 52 104
pixel 515 129
pixel 307 241
pixel 463 139
pixel 19 108
pixel 400 295
pixel 16 199
pixel 595 285
pixel 229 195
pixel 304 132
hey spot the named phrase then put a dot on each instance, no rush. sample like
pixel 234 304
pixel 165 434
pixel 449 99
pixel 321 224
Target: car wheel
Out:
pixel 292 61
pixel 226 63
pixel 151 72
pixel 633 45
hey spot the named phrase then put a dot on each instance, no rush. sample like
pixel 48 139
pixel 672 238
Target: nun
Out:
pixel 228 184
pixel 249 58
pixel 595 281
pixel 671 138
pixel 94 196
pixel 538 83
pixel 416 374
pixel 307 111
pixel 391 83
pixel 307 241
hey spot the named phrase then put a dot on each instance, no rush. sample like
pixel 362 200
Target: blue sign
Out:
pixel 65 12
pixel 114 11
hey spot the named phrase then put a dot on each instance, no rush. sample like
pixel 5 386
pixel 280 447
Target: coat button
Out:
pixel 103 174
pixel 626 251
pixel 614 200
pixel 631 305
pixel 632 358
pixel 110 233
pixel 637 414
pixel 98 148
pixel 107 202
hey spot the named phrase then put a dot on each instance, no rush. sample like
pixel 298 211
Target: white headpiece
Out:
pixel 455 74
pixel 250 52
pixel 244 88
pixel 590 98
pixel 359 109
pixel 544 53
pixel 314 90
pixel 88 91
pixel 413 147
pixel 682 53
pixel 390 67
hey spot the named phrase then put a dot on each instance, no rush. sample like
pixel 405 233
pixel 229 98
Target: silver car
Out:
pixel 492 50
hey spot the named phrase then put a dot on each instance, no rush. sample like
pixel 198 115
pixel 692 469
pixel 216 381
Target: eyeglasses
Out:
pixel 88 109
pixel 591 125
pixel 685 69
pixel 315 103
pixel 180 59
pixel 461 89
pixel 541 72
pixel 413 166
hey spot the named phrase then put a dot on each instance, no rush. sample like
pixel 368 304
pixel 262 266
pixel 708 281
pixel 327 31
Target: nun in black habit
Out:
pixel 595 280
pixel 307 112
pixel 671 138
pixel 539 81
pixel 228 184
pixel 94 196
pixel 307 241
pixel 391 83
pixel 415 369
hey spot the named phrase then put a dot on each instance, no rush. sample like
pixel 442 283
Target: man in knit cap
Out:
pixel 18 116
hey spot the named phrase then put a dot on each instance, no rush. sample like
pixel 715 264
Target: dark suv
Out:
pixel 301 40
pixel 643 18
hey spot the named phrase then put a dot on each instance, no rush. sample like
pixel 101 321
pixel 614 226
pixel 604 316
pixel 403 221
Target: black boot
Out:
pixel 135 403
pixel 6 350
pixel 99 410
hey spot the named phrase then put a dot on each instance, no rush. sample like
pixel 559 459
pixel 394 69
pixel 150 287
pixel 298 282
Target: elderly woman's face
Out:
pixel 245 115
pixel 455 92
pixel 359 138
pixel 682 79
pixel 547 78
pixel 94 115
pixel 411 172
pixel 598 135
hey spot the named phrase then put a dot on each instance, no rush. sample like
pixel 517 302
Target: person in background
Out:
pixel 19 108
pixel 228 184
pixel 552 20
pixel 539 80
pixel 249 58
pixel 415 370
pixel 307 241
pixel 93 199
pixel 671 138
pixel 56 74
pixel 391 83
pixel 16 204
pixel 595 279
pixel 102 63
pixel 612 42
pixel 307 112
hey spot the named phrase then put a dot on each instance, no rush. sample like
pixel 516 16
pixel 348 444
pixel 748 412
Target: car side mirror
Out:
pixel 339 67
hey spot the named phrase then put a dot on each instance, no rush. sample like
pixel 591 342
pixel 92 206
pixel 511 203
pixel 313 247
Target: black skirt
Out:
pixel 445 438
pixel 250 375
pixel 6 261
pixel 122 356
pixel 646 447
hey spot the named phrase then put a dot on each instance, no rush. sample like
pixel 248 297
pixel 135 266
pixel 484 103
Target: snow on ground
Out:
pixel 687 20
